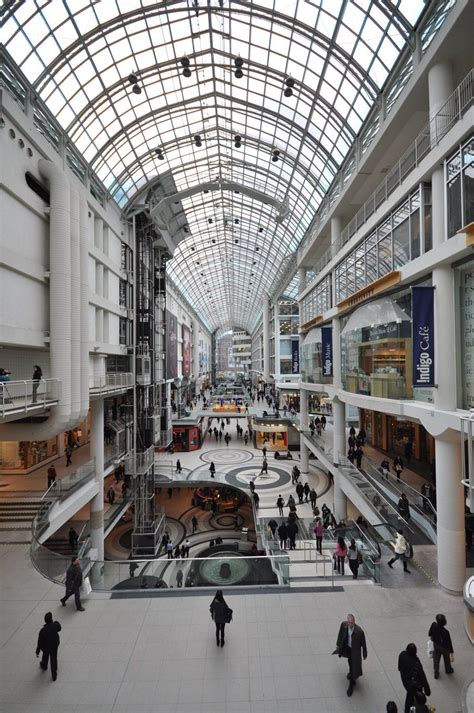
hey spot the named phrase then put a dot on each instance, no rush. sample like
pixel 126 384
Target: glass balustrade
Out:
pixel 27 394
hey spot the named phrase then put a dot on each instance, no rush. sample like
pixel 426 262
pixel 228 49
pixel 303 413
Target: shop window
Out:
pixel 401 244
pixel 415 235
pixel 468 194
pixel 454 206
pixel 377 356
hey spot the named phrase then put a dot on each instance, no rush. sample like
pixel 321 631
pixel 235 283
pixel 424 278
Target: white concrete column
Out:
pixel 304 420
pixel 445 337
pixel 277 337
pixel 196 351
pixel 336 227
pixel 339 449
pixel 440 87
pixel 97 503
pixel 266 340
pixel 336 353
pixel 450 509
pixel 301 279
pixel 438 212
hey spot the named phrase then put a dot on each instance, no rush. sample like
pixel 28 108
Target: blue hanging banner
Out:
pixel 326 350
pixel 295 356
pixel 423 336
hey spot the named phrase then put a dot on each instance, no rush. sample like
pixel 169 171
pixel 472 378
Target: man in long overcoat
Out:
pixel 351 645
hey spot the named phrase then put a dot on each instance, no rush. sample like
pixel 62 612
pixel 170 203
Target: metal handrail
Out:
pixel 402 487
pixel 19 394
pixel 112 379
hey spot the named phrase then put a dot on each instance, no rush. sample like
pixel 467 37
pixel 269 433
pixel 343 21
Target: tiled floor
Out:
pixel 158 654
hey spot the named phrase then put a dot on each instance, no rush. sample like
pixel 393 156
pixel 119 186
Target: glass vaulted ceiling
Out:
pixel 78 55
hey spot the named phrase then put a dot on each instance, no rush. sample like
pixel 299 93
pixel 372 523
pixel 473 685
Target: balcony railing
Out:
pixel 111 381
pixel 27 395
pixel 429 137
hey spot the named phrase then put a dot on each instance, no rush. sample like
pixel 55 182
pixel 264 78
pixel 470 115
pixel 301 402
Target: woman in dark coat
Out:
pixel 220 615
pixel 443 645
pixel 412 675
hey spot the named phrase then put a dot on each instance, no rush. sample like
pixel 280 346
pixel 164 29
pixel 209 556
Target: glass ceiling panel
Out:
pixel 78 54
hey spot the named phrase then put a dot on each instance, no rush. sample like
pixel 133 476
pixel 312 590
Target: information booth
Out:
pixel 187 434
pixel 276 434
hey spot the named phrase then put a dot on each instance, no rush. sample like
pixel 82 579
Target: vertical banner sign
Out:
pixel 186 351
pixel 295 356
pixel 423 336
pixel 326 350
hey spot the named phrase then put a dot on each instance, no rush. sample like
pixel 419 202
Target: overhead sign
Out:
pixel 423 336
pixel 295 356
pixel 326 351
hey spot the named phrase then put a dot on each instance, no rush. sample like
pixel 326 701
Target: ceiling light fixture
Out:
pixel 237 142
pixel 185 63
pixel 275 155
pixel 289 83
pixel 239 63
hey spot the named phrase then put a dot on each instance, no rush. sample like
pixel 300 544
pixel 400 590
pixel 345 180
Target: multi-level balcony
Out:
pixel 18 398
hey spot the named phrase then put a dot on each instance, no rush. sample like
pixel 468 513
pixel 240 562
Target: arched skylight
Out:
pixel 335 54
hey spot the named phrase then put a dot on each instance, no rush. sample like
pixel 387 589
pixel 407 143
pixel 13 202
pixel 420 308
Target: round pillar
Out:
pixel 97 503
pixel 301 279
pixel 266 340
pixel 438 229
pixel 304 420
pixel 304 456
pixel 451 546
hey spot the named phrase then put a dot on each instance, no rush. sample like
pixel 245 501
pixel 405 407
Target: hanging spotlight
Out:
pixel 237 141
pixel 159 154
pixel 260 230
pixel 185 62
pixel 136 89
pixel 275 155
pixel 239 63
pixel 289 83
pixel 132 78
pixel 197 140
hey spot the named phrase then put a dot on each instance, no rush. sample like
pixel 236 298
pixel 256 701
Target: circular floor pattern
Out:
pixel 274 479
pixel 229 455
pixel 228 520
pixel 236 568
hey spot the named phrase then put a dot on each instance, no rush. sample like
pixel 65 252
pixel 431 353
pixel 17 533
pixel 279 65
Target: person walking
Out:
pixel 178 466
pixel 73 583
pixel 194 523
pixel 51 475
pixel 36 378
pixel 291 503
pixel 403 507
pixel 398 466
pixel 264 451
pixel 169 550
pixel 272 524
pixel 358 456
pixel 443 646
pixel 292 529
pixel 353 557
pixel 319 532
pixel 73 538
pixel 341 554
pixel 179 578
pixel 300 491
pixel 283 535
pixel 351 645
pixel 401 547
pixel 212 469
pixel 187 546
pixel 280 503
pixel 256 499
pixel 323 422
pixel 313 497
pixel 111 495
pixel 227 439
pixel 264 466
pixel 221 614
pixel 412 675
pixel 307 491
pixel 48 643
pixel 68 454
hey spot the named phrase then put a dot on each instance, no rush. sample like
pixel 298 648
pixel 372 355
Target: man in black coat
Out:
pixel 351 645
pixel 48 642
pixel 412 675
pixel 73 583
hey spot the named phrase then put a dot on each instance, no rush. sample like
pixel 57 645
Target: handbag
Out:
pixel 86 588
pixel 429 648
pixel 228 615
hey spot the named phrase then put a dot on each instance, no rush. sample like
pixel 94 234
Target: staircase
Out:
pixel 17 511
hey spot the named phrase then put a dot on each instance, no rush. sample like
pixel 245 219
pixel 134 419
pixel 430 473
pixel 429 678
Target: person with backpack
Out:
pixel 443 646
pixel 221 615
pixel 48 643
pixel 413 677
pixel 402 551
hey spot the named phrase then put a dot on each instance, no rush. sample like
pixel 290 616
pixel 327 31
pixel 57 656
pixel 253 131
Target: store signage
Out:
pixel 423 336
pixel 326 348
pixel 295 356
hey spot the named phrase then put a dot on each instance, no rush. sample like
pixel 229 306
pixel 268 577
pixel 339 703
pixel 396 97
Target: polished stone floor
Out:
pixel 156 654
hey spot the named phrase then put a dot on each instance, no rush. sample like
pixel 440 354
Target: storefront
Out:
pixel 376 349
pixel 275 435
pixel 398 436
pixel 187 434
pixel 288 399
pixel 23 457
